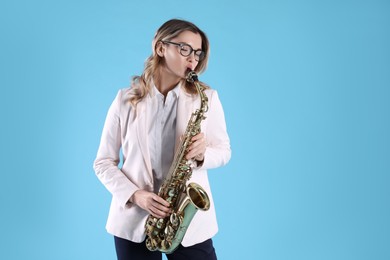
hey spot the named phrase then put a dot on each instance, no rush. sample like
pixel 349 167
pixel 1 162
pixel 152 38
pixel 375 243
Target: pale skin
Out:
pixel 169 75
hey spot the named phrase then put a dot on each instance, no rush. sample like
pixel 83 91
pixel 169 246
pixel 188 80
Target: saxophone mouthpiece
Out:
pixel 191 76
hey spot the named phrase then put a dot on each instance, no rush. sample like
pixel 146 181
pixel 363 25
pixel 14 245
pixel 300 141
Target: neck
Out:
pixel 165 82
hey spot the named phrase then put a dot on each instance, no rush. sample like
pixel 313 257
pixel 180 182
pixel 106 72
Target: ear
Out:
pixel 160 49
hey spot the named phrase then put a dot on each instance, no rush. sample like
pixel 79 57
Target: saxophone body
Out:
pixel 166 234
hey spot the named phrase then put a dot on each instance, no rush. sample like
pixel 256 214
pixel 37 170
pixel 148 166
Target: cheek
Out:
pixel 172 59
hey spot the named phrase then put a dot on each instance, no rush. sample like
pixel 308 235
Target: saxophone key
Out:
pixel 169 233
pixel 160 223
pixel 165 245
pixel 151 244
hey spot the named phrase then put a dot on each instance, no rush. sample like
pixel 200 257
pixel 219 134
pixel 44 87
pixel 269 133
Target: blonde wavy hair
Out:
pixel 141 85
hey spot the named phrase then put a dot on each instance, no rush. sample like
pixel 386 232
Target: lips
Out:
pixel 188 70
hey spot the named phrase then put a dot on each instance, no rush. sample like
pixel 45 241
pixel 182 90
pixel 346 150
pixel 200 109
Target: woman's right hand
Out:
pixel 152 203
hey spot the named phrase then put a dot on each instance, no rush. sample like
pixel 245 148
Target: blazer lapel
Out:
pixel 142 121
pixel 185 108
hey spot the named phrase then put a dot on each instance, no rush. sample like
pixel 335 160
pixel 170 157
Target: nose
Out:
pixel 191 57
pixel 192 62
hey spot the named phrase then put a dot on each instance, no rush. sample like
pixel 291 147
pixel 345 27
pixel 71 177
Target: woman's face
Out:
pixel 175 63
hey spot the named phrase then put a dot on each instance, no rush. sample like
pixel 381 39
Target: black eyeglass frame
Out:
pixel 200 54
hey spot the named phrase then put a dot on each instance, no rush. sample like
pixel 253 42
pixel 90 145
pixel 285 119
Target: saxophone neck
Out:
pixel 192 76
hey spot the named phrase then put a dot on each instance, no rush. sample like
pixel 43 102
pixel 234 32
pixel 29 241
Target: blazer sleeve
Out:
pixel 108 157
pixel 218 150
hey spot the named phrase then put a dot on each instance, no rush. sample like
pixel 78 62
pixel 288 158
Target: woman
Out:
pixel 146 122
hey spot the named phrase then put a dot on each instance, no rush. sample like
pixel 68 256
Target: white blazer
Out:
pixel 126 128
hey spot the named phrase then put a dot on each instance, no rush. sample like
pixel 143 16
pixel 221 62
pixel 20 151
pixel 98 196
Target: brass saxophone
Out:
pixel 166 234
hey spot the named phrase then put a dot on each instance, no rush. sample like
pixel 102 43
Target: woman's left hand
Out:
pixel 197 149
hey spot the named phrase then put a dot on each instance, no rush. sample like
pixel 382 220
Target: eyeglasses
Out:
pixel 186 50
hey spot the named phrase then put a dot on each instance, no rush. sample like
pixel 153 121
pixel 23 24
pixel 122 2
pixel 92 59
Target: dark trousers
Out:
pixel 127 250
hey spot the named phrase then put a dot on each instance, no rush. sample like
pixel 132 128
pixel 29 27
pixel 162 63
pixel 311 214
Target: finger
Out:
pixel 160 207
pixel 157 213
pixel 196 150
pixel 190 155
pixel 196 156
pixel 161 201
pixel 193 152
pixel 197 145
pixel 199 157
pixel 198 137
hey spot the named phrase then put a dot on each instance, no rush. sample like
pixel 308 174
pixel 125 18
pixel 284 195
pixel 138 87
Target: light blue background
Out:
pixel 305 88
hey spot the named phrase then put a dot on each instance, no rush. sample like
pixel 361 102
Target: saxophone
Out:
pixel 166 234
